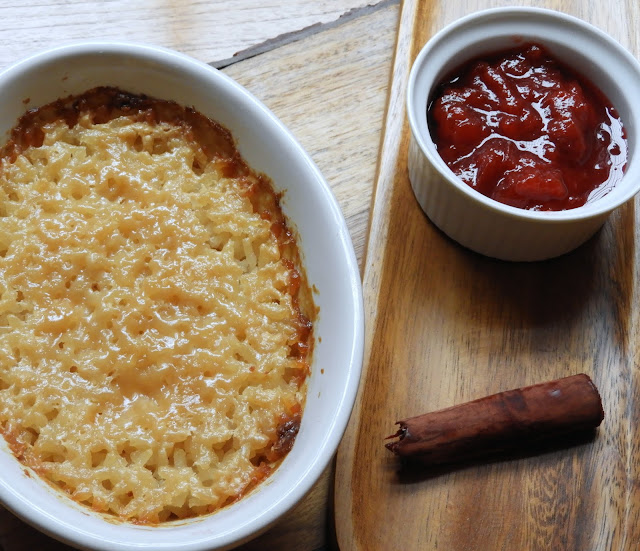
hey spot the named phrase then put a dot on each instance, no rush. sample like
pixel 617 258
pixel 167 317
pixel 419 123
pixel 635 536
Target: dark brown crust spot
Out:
pixel 287 432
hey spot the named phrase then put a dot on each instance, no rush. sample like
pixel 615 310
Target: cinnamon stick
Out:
pixel 503 421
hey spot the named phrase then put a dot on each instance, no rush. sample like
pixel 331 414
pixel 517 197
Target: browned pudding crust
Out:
pixel 155 321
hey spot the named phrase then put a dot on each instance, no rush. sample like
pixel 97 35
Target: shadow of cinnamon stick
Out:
pixel 414 470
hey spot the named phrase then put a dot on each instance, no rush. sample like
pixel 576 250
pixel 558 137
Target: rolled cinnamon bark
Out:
pixel 503 421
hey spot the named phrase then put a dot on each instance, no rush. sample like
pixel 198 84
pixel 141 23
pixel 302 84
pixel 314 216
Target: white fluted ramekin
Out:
pixel 474 220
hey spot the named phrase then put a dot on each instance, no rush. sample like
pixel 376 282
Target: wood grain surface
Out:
pixel 208 31
pixel 445 325
pixel 330 88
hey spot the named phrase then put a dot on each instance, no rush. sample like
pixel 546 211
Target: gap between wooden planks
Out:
pixel 203 29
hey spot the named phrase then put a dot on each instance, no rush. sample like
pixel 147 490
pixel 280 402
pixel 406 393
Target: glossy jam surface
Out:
pixel 525 130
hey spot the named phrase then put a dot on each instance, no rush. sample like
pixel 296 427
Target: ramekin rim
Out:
pixel 585 212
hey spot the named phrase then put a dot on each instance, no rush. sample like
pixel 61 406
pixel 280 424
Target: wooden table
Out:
pixel 321 65
pixel 334 71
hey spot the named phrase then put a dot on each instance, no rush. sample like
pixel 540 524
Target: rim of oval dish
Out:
pixel 494 16
pixel 54 524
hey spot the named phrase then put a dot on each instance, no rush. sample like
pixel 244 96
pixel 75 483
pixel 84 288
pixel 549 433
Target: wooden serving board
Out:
pixel 445 325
